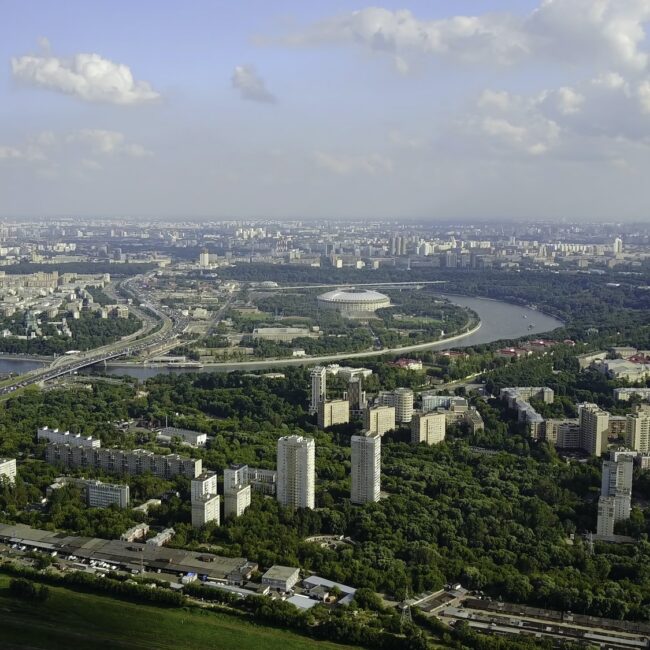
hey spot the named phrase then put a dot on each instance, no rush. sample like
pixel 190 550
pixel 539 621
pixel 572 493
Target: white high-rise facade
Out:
pixel 8 469
pixel 366 468
pixel 379 419
pixel 594 426
pixel 203 485
pixel 318 377
pixel 296 472
pixel 402 400
pixel 637 430
pixel 205 502
pixel 428 427
pixel 616 482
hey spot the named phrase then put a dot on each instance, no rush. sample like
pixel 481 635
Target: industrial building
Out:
pixel 282 578
pixel 126 555
pixel 189 437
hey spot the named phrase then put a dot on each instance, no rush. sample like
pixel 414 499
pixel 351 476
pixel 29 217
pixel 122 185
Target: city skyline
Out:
pixel 423 111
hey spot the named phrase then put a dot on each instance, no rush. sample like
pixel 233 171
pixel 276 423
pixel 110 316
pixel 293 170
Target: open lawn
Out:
pixel 69 619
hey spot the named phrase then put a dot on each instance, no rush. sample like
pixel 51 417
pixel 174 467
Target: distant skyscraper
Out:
pixel 356 395
pixel 618 246
pixel 318 377
pixel 366 468
pixel 296 472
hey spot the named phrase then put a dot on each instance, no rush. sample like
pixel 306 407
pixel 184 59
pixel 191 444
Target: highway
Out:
pixel 173 324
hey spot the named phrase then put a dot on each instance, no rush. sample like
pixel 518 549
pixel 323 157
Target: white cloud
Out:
pixel 87 76
pixel 569 101
pixel 495 99
pixel 573 30
pixel 104 142
pixel 250 85
pixel 598 118
pixel 45 146
pixel 404 141
pixel 644 96
pixel 345 165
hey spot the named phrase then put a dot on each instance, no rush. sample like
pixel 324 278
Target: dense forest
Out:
pixel 510 524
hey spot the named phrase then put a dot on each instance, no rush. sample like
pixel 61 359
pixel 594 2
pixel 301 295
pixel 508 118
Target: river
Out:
pixel 499 321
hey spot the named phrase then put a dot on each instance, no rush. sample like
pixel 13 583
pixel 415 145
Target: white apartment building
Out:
pixel 235 475
pixel 606 516
pixel 616 482
pixel 429 428
pixel 402 400
pixel 318 377
pixel 102 495
pixel 65 437
pixel 379 419
pixel 366 468
pixel 236 500
pixel 296 472
pixel 637 430
pixel 205 509
pixel 594 425
pixel 331 412
pixel 204 484
pixel 8 469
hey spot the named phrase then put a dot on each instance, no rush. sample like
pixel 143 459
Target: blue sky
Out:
pixel 433 110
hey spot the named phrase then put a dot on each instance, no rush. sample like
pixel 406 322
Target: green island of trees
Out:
pixel 88 332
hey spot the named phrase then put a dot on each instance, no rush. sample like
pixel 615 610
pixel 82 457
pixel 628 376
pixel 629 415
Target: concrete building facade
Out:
pixel 379 419
pixel 594 426
pixel 366 468
pixel 318 376
pixel 296 472
pixel 429 428
pixel 637 430
pixel 8 469
pixel 331 412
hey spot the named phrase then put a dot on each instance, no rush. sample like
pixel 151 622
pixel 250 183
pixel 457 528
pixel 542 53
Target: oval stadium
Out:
pixel 353 303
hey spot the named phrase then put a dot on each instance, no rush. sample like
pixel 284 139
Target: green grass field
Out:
pixel 69 619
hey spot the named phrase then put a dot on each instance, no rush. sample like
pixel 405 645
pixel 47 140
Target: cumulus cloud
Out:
pixel 250 85
pixel 87 76
pixel 47 146
pixel 585 30
pixel 104 142
pixel 345 165
pixel 597 116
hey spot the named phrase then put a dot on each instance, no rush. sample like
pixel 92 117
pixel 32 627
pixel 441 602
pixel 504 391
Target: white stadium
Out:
pixel 351 303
